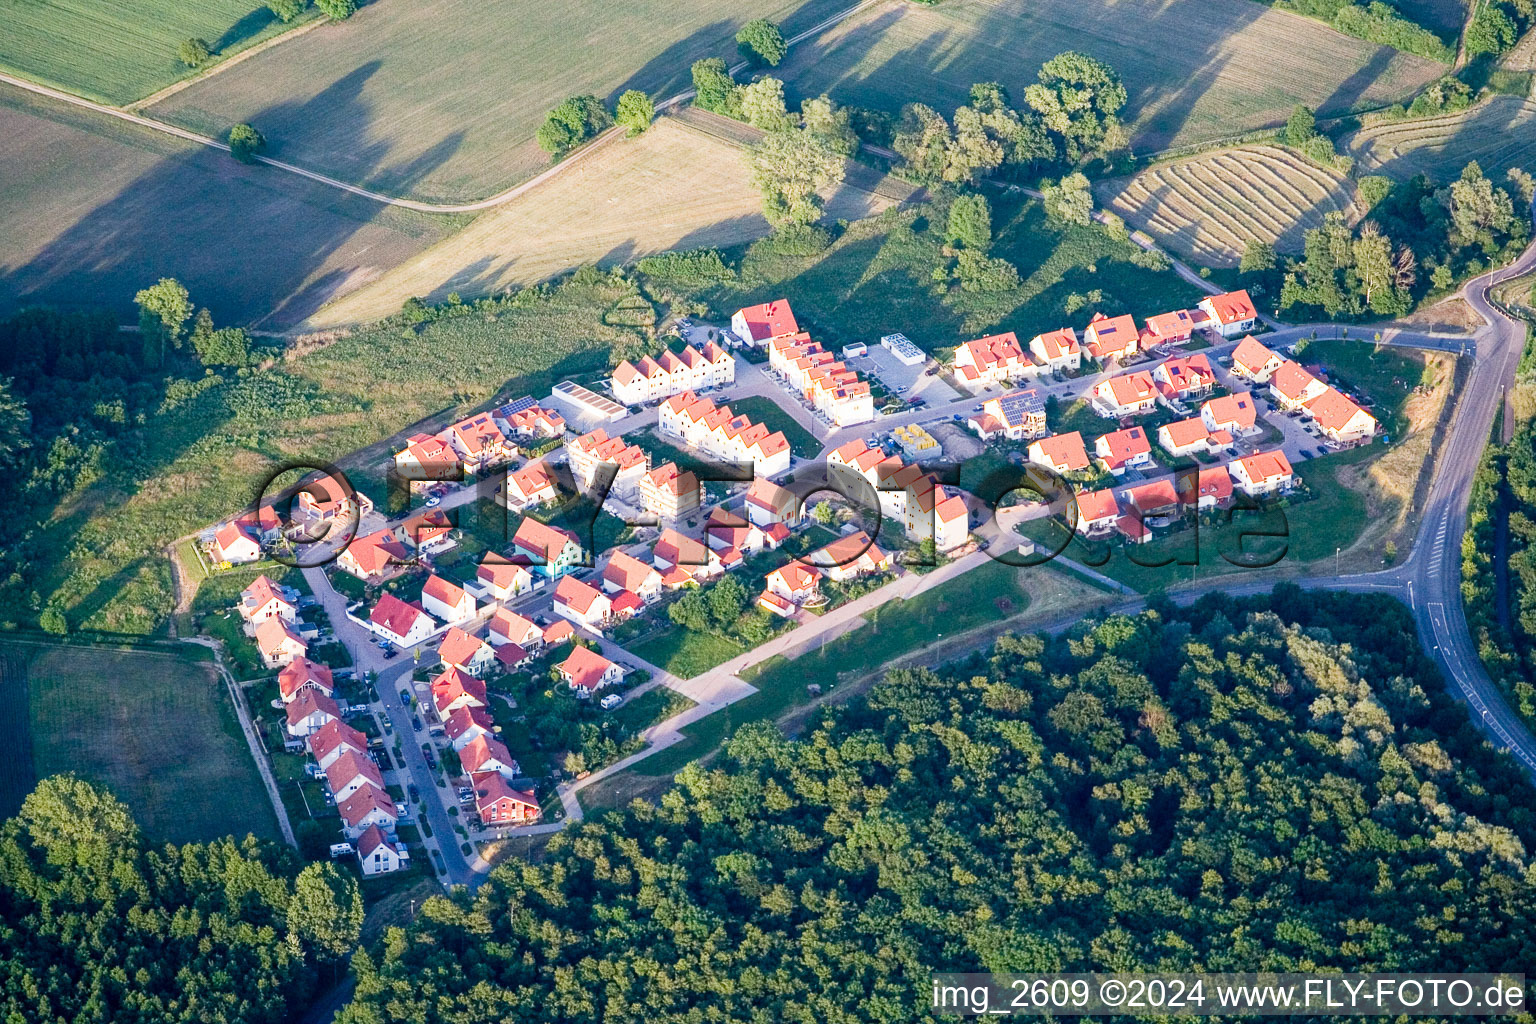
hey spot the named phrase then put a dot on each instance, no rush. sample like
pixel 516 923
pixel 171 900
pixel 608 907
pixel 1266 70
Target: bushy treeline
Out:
pixel 1497 25
pixel 97 925
pixel 1270 784
pixel 1375 22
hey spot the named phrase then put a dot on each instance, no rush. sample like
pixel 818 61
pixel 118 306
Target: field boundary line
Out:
pixel 597 142
pixel 166 92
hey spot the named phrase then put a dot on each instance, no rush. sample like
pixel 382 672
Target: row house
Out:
pixel 1254 361
pixel 822 379
pixel 309 712
pixel 995 359
pixel 466 723
pixel 757 325
pixel 1057 350
pixel 1111 337
pixel 369 807
pixel 1018 415
pixel 590 451
pixel 927 509
pixel 332 740
pixel 350 772
pixel 669 493
pixel 1130 394
pixel 1231 313
pixel 670 373
pixel 714 429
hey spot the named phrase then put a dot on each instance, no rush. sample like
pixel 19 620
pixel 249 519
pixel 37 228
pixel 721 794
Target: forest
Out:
pixel 1275 783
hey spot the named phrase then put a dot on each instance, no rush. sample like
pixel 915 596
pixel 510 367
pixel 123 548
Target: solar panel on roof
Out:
pixel 517 405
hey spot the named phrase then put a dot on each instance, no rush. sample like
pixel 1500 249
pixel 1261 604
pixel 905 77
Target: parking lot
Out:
pixel 896 376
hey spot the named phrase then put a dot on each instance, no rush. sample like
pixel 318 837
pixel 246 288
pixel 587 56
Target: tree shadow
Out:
pixel 252 24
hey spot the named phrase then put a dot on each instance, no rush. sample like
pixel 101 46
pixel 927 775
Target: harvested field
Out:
pixel 95 209
pixel 1499 134
pixel 117 51
pixel 156 728
pixel 1210 205
pixel 439 99
pixel 672 187
pixel 1196 70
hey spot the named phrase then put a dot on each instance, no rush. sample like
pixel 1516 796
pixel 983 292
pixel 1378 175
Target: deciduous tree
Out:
pixel 635 111
pixel 761 41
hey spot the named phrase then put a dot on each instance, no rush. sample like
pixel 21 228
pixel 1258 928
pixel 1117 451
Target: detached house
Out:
pixel 374 557
pixel 405 625
pixel 669 493
pixel 675 552
pixel 301 674
pixel 1235 414
pixel 1231 313
pixel 1184 377
pixel 625 572
pixel 849 557
pixel 278 643
pixel 581 604
pixel 500 580
pixel 767 503
pixel 528 487
pixel 1057 350
pixel 488 754
pixel 466 723
pixel 377 854
pixel 309 712
pixel 465 652
pixel 794 584
pixel 1172 328
pixel 585 671
pixel 233 543
pixel 479 442
pixel 533 422
pixel 1124 449
pixel 1263 473
pixel 264 600
pixel 498 803
pixel 508 627
pixel 446 600
pixel 1097 512
pixel 453 689
pixel 995 359
pixel 429 532
pixel 427 458
pixel 1129 394
pixel 1063 453
pixel 1186 437
pixel 1016 416
pixel 1255 362
pixel 1293 387
pixel 1110 337
pixel 1213 488
pixel 549 550
pixel 325 499
pixel 1339 419
pixel 754 325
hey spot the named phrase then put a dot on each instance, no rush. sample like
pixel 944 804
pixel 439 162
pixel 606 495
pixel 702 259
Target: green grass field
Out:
pixel 157 728
pixel 440 99
pixel 118 51
pixel 767 412
pixel 1196 70
pixel 684 652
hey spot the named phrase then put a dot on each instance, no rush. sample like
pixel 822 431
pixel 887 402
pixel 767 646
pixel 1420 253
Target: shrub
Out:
pixel 286 10
pixel 978 273
pixel 714 87
pixel 1380 23
pixel 571 123
pixel 795 240
pixel 193 52
pixel 337 10
pixel 694 266
pixel 246 143
pixel 761 41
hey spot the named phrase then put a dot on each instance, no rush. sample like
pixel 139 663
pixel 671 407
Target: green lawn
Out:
pixel 118 51
pixel 1308 531
pixel 684 652
pixel 1383 374
pixel 157 728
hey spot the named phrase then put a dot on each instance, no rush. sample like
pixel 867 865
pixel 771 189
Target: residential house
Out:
pixel 1340 419
pixel 264 600
pixel 1262 473
pixel 767 503
pixel 333 739
pixel 1213 488
pixel 669 493
pixel 675 551
pixel 849 557
pixel 1156 498
pixel 558 632
pixel 581 603
pixel 501 580
pixel 426 459
pixel 429 532
pixel 828 384
pixel 1017 415
pixel 278 643
pixel 1236 414
pixel 264 524
pixel 716 430
pixel 995 359
pixel 465 652
pixel 1184 377
pixel 935 512
pixel 755 325
pixel 586 671
pixel 1111 337
pixel 453 688
pixel 479 442
pixel 794 582
pixel 671 372
pixel 1131 527
pixel 533 422
pixel 1063 453
pixel 626 572
pixel 375 557
pixel 1293 387
pixel 1186 437
pixel 369 806
pixel 405 625
pixel 465 723
pixel 350 772
pixel 1254 361
pixel 325 499
pixel 512 657
pixel 548 550
pixel 233 543
pixel 486 753
pixel 446 600
pixel 1172 328
pixel 508 627
pixel 1097 512
pixel 593 450
pixel 1232 313
pixel 1057 350
pixel 377 854
pixel 497 803
pixel 528 487
pixel 734 538
pixel 1124 449
pixel 309 712
pixel 301 674
pixel 1129 394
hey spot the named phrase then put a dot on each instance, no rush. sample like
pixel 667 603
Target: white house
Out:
pixel 1231 312
pixel 754 325
pixel 1262 473
pixel 369 806
pixel 1293 387
pixel 278 643
pixel 403 624
pixel 508 627
pixel 351 772
pixel 1057 350
pixel 309 712
pixel 264 600
pixel 486 753
pixel 466 652
pixel 446 600
pixel 453 689
pixel 1255 362
pixel 234 544
pixel 580 603
pixel 501 580
pixel 378 855
pixel 586 671
pixel 301 674
pixel 333 739
pixel 1340 419
pixel 625 572
pixel 1063 453
pixel 532 485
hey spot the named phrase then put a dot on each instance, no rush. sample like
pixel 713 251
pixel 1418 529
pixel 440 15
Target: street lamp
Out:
pixel 1336 560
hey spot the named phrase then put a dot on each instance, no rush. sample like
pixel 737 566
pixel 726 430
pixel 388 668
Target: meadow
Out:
pixel 1209 206
pixel 1499 133
pixel 697 192
pixel 155 727
pixel 117 51
pixel 439 100
pixel 95 209
pixel 1196 70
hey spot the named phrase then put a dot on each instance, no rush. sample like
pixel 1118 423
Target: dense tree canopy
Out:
pixel 761 41
pixel 96 926
pixel 1266 784
pixel 1079 99
pixel 573 122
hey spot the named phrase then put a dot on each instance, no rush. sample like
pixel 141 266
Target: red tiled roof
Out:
pixel 459 647
pixel 1215 482
pixel 300 671
pixel 462 719
pixel 377 552
pixel 333 734
pixel 478 752
pixel 442 590
pixel 541 539
pixel 307 703
pixel 1233 410
pixel 1131 389
pixel 627 601
pixel 584 668
pixel 371 840
pixel 1110 333
pixel 1059 343
pixel 395 615
pixel 1264 466
pixel 1065 450
pixel 262 592
pixel 1250 355
pixel 500 573
pixel 1332 410
pixel 1183 433
pixel 1232 307
pixel 271 635
pixel 576 595
pixel 770 319
pixel 511 655
pixel 1291 380
pixel 627 572
pixel 797 578
pixel 491 788
pixel 452 684
pixel 1095 505
pixel 558 632
pixel 1151 496
pixel 367 799
pixel 1124 445
pixel 351 765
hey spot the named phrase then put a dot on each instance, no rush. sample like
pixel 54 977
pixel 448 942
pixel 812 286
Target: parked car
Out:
pixel 390 653
pixel 416 722
pixel 434 501
pixel 610 702
pixel 413 791
pixel 405 697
